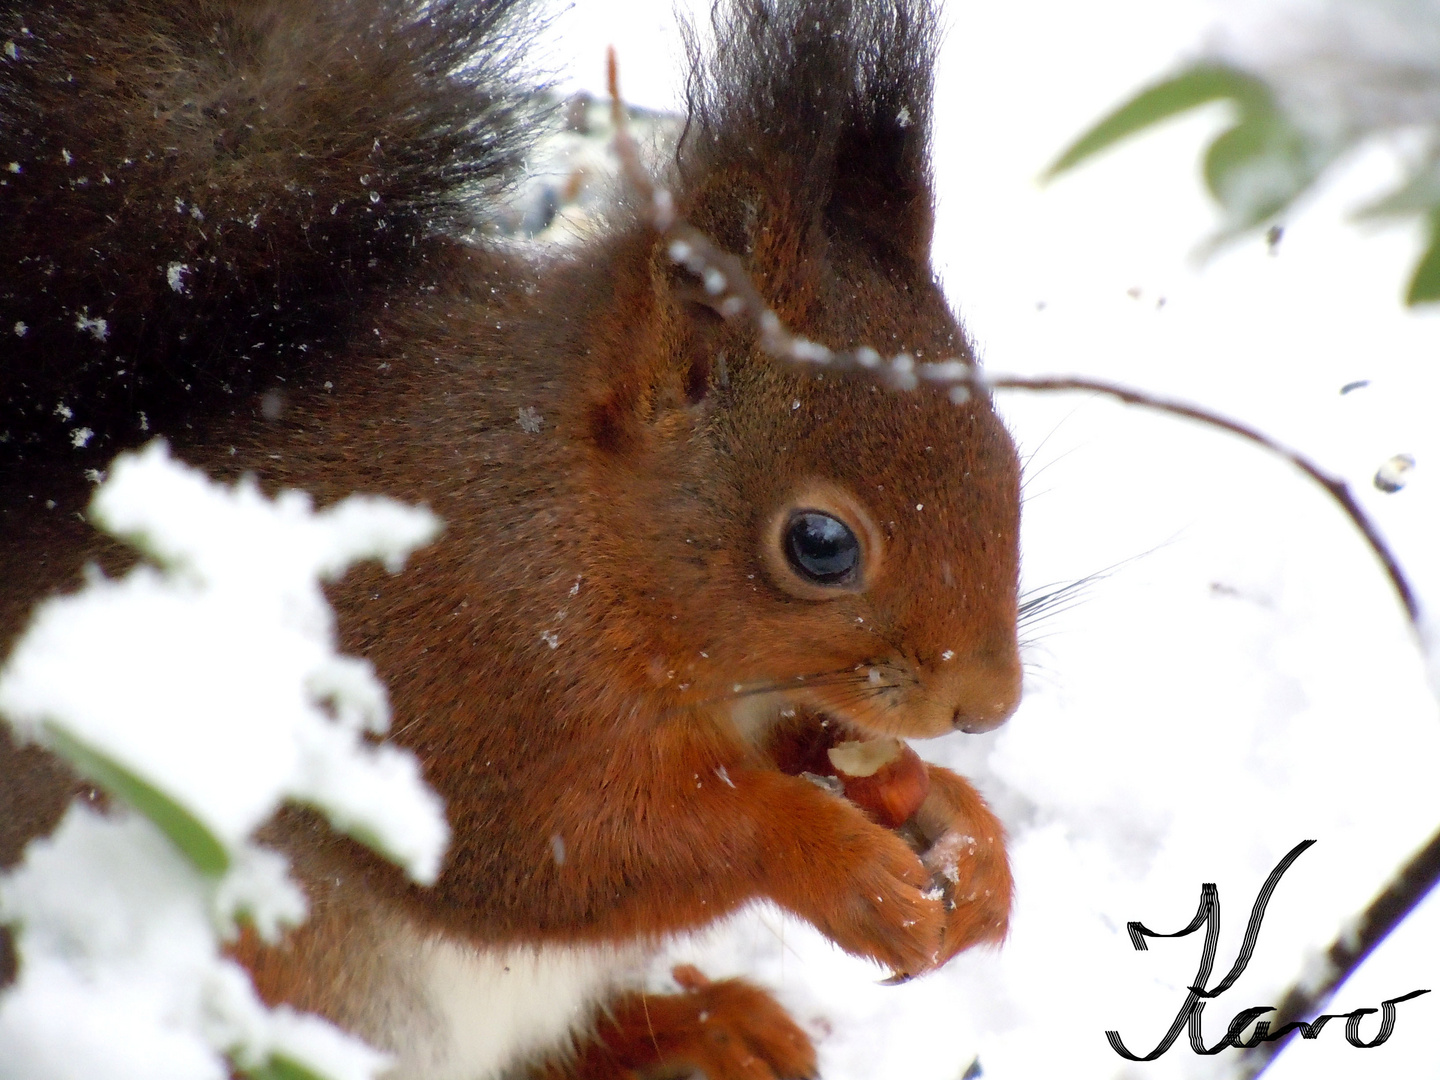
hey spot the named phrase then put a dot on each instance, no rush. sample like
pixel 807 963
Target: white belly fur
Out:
pixel 488 1010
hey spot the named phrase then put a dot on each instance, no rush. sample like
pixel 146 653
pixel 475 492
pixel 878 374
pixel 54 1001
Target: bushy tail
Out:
pixel 194 193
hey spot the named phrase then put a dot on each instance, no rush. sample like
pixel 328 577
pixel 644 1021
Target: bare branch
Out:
pixel 1306 998
pixel 1333 485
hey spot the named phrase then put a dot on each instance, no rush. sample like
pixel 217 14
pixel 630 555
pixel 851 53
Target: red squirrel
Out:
pixel 675 573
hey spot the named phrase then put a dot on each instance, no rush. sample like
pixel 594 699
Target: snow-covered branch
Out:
pixel 201 691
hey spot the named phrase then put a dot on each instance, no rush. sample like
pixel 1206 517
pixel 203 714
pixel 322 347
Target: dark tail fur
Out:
pixel 193 196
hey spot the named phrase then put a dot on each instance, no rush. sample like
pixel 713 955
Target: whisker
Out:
pixel 835 677
pixel 824 679
pixel 1050 599
pixel 1025 474
pixel 1047 601
pixel 853 683
pixel 1027 478
pixel 1064 599
pixel 860 693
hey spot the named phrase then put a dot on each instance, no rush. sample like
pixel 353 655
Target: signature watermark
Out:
pixel 1189 1016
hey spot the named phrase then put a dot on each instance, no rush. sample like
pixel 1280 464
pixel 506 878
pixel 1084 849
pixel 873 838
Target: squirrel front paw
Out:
pixel 724 1030
pixel 962 844
pixel 878 900
pixel 856 881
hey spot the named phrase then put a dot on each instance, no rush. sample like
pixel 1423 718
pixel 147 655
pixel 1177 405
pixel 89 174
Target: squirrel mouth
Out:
pixel 881 775
pixel 801 741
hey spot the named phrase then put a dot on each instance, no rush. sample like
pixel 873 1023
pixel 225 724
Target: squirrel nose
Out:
pixel 991 695
pixel 973 724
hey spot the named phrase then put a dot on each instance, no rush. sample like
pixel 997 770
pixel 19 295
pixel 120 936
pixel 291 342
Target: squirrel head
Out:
pixel 775 538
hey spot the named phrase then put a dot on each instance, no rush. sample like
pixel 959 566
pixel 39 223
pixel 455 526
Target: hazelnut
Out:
pixel 884 777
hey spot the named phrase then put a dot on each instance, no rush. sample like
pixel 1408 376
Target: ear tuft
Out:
pixel 819 110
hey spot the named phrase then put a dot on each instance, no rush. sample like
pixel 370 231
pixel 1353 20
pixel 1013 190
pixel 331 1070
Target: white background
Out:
pixel 1242 678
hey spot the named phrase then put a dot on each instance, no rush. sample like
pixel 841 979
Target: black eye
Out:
pixel 821 548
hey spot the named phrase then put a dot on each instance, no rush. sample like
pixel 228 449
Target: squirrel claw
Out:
pixel 964 850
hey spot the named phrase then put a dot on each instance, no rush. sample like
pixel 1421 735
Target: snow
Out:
pixel 1240 676
pixel 139 927
pixel 175 274
pixel 238 580
pixel 97 328
pixel 121 974
pixel 205 690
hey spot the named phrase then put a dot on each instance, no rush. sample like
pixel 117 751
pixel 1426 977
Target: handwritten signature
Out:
pixel 1208 916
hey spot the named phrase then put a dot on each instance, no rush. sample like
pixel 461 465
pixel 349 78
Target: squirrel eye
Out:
pixel 821 548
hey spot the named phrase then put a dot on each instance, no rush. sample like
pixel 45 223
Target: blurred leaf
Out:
pixel 279 1067
pixel 1259 166
pixel 184 830
pixel 1193 87
pixel 1425 282
pixel 1419 194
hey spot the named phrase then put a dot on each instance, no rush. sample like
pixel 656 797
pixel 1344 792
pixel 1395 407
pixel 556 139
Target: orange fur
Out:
pixel 726 1028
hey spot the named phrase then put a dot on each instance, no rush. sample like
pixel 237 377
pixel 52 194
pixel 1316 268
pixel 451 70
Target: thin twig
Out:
pixel 1333 485
pixel 735 296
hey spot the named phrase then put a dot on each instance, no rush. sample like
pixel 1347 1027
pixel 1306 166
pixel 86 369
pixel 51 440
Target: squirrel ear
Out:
pixel 809 132
pixel 700 351
pixel 665 370
pixel 806 153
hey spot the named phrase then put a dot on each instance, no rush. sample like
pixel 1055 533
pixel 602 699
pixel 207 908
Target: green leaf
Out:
pixel 1191 88
pixel 1259 166
pixel 185 831
pixel 1425 282
pixel 279 1067
pixel 1419 194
